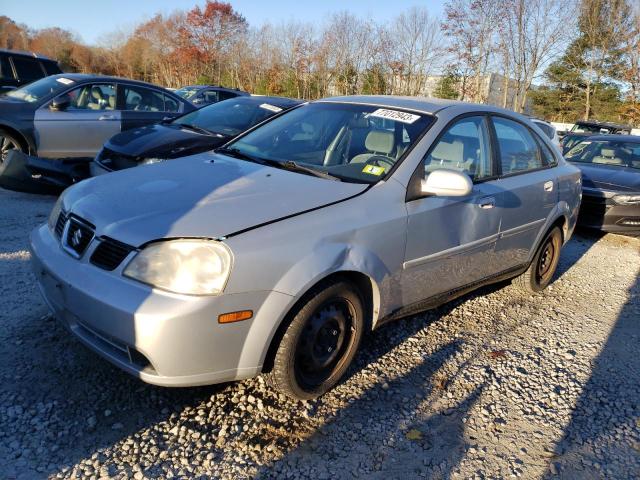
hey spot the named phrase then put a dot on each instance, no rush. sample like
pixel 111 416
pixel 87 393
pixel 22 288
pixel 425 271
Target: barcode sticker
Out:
pixel 396 115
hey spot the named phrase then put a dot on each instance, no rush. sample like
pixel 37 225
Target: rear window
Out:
pixel 28 69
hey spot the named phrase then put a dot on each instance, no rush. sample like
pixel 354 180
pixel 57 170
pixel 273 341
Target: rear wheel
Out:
pixel 544 264
pixel 320 342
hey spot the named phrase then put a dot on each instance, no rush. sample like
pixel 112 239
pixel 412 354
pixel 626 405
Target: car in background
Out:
pixel 594 126
pixel 610 166
pixel 51 129
pixel 198 131
pixel 206 94
pixel 277 252
pixel 549 130
pixel 19 68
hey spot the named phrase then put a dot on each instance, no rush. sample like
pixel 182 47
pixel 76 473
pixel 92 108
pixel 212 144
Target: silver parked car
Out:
pixel 277 252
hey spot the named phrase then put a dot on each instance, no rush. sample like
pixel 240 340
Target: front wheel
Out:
pixel 320 342
pixel 7 143
pixel 544 264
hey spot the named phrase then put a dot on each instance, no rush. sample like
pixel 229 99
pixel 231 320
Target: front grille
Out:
pixel 62 219
pixel 77 236
pixel 110 253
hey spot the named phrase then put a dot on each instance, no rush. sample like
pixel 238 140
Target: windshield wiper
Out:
pixel 281 164
pixel 296 167
pixel 195 128
pixel 236 153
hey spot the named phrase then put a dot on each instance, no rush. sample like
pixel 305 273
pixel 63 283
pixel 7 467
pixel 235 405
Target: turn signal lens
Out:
pixel 235 316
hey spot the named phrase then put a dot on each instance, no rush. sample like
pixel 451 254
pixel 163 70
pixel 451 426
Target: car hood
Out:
pixel 9 105
pixel 611 178
pixel 206 195
pixel 163 141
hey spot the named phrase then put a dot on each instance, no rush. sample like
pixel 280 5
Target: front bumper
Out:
pixel 162 338
pixel 601 214
pixel 27 173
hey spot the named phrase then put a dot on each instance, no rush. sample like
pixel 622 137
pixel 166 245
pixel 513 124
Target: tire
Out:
pixel 320 342
pixel 540 273
pixel 8 142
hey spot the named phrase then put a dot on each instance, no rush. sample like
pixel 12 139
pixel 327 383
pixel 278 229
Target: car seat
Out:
pixel 446 155
pixel 379 143
pixel 96 99
pixel 608 157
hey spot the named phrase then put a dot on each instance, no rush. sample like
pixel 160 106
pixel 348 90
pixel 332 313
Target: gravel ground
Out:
pixel 493 385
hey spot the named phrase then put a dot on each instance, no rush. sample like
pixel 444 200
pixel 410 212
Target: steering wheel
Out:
pixel 381 161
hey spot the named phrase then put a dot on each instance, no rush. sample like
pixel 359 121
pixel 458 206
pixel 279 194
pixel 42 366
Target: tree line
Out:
pixel 565 59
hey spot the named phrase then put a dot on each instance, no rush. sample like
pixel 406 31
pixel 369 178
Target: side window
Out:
pixel 464 147
pixel 519 152
pixel 171 105
pixel 210 96
pixel 143 99
pixel 548 159
pixel 5 68
pixel 96 96
pixel 51 68
pixel 28 69
pixel 226 95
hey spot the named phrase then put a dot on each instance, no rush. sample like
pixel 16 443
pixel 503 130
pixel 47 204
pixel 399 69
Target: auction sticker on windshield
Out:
pixel 65 81
pixel 396 115
pixel 271 108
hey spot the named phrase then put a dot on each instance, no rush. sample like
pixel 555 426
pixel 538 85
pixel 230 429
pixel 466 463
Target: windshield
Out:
pixel 42 88
pixel 230 117
pixel 606 152
pixel 358 143
pixel 187 92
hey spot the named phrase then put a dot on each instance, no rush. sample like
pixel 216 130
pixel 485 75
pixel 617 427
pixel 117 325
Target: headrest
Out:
pixel 608 152
pixel 96 93
pixel 112 101
pixel 360 122
pixel 453 152
pixel 379 141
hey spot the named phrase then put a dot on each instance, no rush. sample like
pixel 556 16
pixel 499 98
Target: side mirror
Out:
pixel 60 103
pixel 447 183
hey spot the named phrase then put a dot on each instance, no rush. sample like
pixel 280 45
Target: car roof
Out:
pixel 216 87
pixel 595 123
pixel 277 101
pixel 420 104
pixel 24 53
pixel 83 77
pixel 616 138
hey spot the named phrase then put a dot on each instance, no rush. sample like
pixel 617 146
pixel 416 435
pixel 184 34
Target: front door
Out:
pixel 450 240
pixel 81 129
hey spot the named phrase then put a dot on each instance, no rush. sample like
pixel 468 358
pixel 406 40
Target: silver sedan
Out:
pixel 276 253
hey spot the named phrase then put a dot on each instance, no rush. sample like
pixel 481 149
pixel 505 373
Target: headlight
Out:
pixel 151 161
pixel 627 199
pixel 55 213
pixel 189 266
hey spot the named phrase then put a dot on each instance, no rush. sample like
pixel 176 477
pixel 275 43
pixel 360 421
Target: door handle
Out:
pixel 487 202
pixel 548 186
pixel 106 117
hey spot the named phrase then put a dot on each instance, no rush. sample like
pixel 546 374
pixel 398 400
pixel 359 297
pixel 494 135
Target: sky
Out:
pixel 93 21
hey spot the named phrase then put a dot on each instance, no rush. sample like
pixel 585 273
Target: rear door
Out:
pixel 143 106
pixel 529 189
pixel 450 240
pixel 80 130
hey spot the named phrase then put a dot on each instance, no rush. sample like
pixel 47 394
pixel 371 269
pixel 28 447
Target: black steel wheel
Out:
pixel 320 341
pixel 545 262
